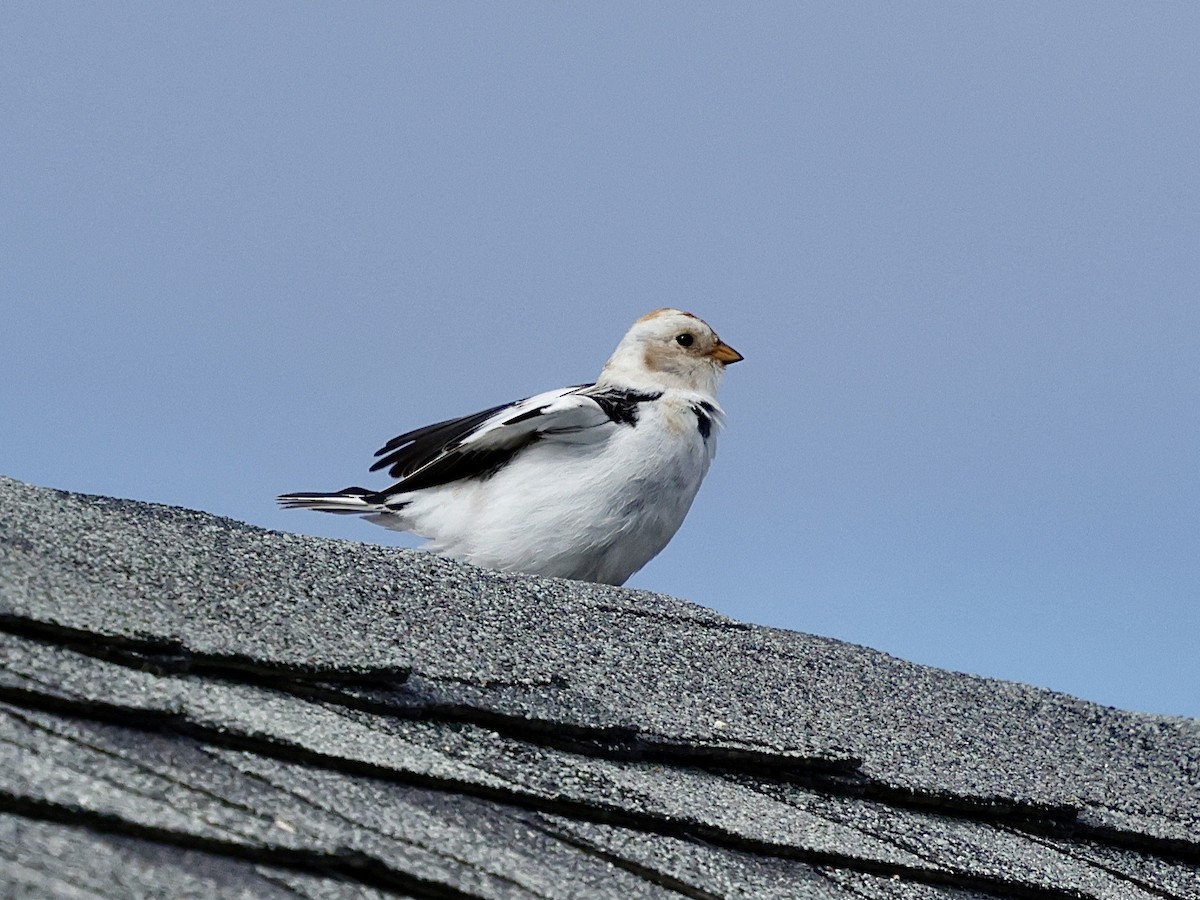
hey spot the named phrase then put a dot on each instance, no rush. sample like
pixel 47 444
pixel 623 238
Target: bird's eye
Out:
pixel 684 340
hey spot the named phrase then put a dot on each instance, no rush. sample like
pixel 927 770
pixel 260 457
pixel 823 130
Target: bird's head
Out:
pixel 669 348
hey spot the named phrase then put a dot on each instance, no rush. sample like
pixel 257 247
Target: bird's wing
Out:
pixel 474 445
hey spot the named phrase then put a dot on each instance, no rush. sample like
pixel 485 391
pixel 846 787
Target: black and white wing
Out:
pixel 476 445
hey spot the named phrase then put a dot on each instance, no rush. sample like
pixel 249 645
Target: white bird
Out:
pixel 587 482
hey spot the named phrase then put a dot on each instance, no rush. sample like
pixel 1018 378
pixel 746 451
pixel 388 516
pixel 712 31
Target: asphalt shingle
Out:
pixel 355 716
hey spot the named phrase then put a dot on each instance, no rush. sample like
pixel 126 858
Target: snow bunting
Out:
pixel 587 482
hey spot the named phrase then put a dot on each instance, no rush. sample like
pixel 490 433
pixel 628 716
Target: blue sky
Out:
pixel 959 245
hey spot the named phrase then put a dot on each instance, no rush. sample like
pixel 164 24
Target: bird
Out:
pixel 588 482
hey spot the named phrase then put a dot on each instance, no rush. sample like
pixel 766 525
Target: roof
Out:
pixel 192 706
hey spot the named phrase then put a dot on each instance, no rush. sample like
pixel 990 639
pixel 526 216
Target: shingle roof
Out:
pixel 191 706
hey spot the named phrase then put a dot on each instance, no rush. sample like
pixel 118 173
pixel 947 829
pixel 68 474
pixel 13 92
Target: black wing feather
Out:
pixel 704 413
pixel 414 449
pixel 433 455
pixel 621 406
pixel 459 466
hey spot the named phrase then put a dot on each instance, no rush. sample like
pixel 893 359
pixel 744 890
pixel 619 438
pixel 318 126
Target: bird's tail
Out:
pixel 348 501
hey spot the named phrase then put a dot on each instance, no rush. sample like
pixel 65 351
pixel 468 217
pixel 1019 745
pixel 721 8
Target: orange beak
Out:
pixel 725 355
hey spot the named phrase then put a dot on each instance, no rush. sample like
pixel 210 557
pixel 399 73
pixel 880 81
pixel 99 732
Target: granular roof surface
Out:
pixel 191 706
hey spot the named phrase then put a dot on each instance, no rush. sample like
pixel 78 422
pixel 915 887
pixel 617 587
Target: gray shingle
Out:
pixel 355 715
